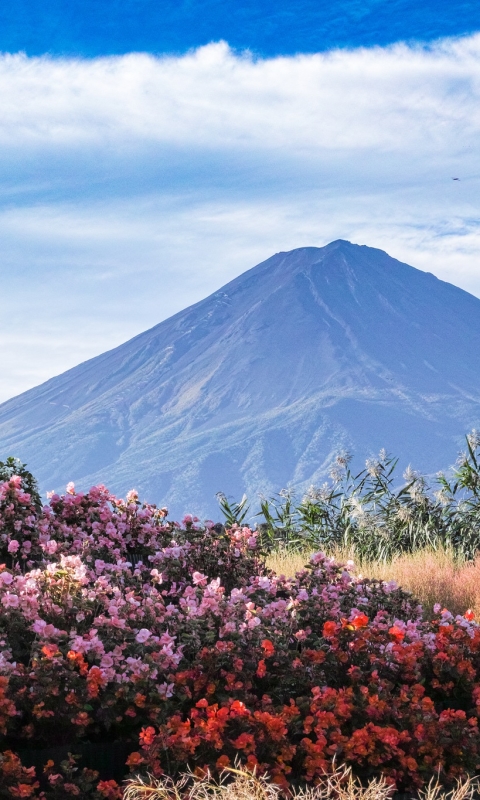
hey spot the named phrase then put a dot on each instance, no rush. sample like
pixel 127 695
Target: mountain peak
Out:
pixel 257 386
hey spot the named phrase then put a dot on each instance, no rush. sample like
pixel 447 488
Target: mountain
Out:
pixel 257 386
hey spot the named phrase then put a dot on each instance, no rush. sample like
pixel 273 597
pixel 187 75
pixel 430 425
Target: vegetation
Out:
pixel 214 647
pixel 435 577
pixel 371 515
pixel 238 784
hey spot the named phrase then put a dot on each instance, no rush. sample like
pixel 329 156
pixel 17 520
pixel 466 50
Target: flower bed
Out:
pixel 196 653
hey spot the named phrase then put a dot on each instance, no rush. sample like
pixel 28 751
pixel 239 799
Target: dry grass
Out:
pixel 433 576
pixel 237 784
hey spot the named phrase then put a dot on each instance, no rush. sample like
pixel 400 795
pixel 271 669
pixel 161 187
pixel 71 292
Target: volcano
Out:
pixel 258 386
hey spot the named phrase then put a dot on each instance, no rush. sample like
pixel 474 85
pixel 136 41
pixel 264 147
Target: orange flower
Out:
pixel 245 742
pixel 110 790
pixel 134 759
pixel 71 699
pixel 397 633
pixel 81 719
pixel 23 790
pixel 238 708
pixel 222 762
pixel 261 669
pixel 78 660
pixel 329 628
pixel 49 650
pixel 139 700
pixel 147 735
pixel 268 648
pixel 95 681
pixel 360 621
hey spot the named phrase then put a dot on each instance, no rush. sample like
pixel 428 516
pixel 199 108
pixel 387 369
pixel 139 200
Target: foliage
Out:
pixel 234 513
pixel 13 466
pixel 128 627
pixel 369 513
pixel 56 783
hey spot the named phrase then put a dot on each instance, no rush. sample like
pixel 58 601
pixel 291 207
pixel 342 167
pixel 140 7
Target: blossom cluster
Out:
pixel 116 625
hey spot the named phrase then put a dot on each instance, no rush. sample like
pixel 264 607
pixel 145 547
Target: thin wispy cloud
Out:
pixel 133 186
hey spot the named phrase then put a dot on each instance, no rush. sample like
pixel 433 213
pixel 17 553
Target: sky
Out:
pixel 152 151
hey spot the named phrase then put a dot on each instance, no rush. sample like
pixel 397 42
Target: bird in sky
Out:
pixel 455 179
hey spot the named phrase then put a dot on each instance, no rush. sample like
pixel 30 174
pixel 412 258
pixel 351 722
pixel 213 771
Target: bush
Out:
pixel 177 637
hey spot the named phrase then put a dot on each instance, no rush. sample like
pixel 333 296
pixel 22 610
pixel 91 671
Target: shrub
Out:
pixel 177 636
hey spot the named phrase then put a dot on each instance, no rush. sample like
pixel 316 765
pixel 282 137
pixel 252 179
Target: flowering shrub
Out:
pixel 177 638
pixel 65 781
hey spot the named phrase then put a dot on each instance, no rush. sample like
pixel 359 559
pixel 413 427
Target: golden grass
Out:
pixel 237 784
pixel 433 576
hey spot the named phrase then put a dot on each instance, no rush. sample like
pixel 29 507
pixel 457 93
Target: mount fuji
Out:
pixel 259 385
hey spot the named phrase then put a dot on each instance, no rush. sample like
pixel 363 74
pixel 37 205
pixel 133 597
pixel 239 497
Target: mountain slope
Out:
pixel 260 383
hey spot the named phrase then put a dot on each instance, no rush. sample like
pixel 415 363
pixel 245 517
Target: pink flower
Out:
pixel 199 579
pixel 6 578
pixel 142 635
pixel 13 546
pixel 300 635
pixel 10 600
pixel 39 626
pixel 70 488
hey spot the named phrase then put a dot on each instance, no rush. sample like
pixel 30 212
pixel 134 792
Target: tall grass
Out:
pixel 375 512
pixel 433 576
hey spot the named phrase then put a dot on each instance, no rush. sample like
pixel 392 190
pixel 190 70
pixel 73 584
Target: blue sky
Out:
pixel 150 152
pixel 115 27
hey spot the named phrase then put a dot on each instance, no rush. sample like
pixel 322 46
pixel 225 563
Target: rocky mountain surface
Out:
pixel 259 385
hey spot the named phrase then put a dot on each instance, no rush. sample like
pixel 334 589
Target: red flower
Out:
pixel 397 633
pixel 268 648
pixel 245 742
pixel 110 790
pixel 360 621
pixel 147 736
pixel 329 628
pixel 49 651
pixel 261 669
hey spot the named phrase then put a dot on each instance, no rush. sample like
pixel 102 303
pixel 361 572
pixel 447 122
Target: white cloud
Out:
pixel 132 186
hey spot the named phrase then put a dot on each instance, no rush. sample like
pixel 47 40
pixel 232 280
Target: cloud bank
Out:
pixel 132 186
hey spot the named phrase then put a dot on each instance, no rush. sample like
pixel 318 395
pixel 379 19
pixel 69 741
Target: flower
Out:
pixel 267 647
pixel 142 635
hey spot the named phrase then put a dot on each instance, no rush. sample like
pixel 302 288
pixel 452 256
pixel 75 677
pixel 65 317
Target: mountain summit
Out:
pixel 257 386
